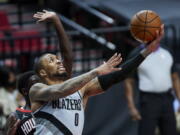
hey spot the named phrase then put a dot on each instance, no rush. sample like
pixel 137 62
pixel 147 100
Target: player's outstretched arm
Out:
pixel 103 82
pixel 64 45
pixel 42 92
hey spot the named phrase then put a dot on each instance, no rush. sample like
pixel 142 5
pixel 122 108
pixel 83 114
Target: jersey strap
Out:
pixel 58 124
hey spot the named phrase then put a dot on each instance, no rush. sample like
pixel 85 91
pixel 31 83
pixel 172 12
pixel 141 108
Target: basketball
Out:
pixel 144 24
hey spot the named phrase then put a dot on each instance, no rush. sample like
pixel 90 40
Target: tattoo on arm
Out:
pixel 92 88
pixel 52 92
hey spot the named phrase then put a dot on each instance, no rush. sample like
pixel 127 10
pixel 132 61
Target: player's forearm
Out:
pixel 64 45
pixel 145 52
pixel 68 87
pixel 63 38
pixel 92 88
pixel 128 67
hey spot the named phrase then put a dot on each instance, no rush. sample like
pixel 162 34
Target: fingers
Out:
pixel 115 60
pixel 12 124
pixel 153 45
pixel 11 120
pixel 12 130
pixel 40 20
pixel 16 124
pixel 38 16
pixel 162 30
pixel 160 33
pixel 40 13
pixel 112 57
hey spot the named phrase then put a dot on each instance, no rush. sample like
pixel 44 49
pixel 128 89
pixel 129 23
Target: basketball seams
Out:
pixel 152 19
pixel 138 32
pixel 144 24
pixel 150 34
pixel 135 34
pixel 144 36
pixel 133 25
pixel 139 19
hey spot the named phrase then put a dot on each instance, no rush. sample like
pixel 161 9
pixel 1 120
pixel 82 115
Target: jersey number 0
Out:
pixel 76 119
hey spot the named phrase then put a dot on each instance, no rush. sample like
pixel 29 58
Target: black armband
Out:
pixel 128 67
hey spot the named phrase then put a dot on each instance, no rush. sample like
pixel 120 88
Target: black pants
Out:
pixel 157 110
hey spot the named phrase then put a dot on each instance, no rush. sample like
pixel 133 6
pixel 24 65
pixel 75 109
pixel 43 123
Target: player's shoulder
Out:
pixel 37 86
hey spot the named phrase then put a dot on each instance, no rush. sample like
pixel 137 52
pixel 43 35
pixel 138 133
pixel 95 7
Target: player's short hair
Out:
pixel 38 64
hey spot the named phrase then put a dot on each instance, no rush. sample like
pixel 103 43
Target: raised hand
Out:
pixel 153 45
pixel 110 65
pixel 45 16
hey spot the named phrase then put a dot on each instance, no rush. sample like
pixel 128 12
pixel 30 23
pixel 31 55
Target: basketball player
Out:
pixel 21 121
pixel 66 52
pixel 64 46
pixel 59 103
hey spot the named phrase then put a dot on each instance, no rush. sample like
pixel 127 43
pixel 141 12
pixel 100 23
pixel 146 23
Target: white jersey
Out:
pixel 64 116
pixel 155 72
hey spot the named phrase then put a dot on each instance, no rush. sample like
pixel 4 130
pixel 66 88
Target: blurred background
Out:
pixel 97 29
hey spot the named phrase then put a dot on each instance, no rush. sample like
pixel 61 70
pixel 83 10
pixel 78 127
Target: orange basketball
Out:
pixel 144 25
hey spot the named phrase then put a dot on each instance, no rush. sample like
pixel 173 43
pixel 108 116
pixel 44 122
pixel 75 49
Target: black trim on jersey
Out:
pixel 80 95
pixel 58 124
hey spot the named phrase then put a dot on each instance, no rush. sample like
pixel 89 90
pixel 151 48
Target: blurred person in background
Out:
pixel 158 78
pixel 8 102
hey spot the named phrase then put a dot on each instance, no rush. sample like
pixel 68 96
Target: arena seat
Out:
pixel 4 23
pixel 27 41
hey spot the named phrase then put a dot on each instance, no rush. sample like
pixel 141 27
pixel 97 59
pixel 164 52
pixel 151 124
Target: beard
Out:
pixel 62 76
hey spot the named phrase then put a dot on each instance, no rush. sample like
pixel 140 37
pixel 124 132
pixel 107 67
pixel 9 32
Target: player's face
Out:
pixel 54 66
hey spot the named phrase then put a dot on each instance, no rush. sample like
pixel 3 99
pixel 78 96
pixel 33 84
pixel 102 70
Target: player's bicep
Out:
pixel 92 88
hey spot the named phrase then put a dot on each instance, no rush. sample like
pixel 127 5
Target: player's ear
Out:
pixel 42 73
